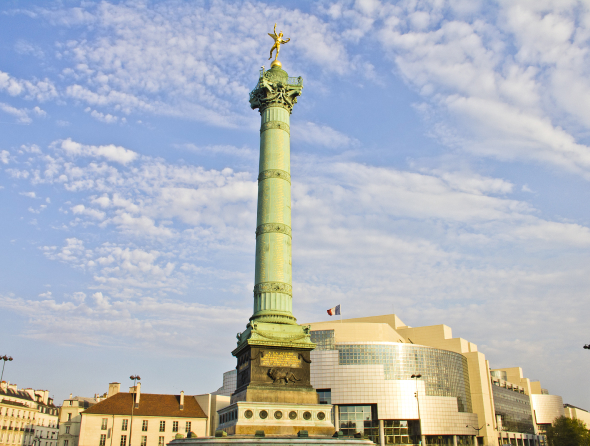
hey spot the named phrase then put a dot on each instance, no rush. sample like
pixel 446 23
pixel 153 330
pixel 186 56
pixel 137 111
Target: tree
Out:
pixel 568 432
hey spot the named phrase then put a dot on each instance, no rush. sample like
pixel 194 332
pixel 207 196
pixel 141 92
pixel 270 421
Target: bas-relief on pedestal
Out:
pixel 273 391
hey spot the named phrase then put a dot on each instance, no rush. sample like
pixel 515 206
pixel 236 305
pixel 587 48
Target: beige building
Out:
pixel 577 413
pixel 145 419
pixel 27 417
pixel 70 418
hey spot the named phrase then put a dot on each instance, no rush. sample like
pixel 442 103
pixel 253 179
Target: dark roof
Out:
pixel 574 407
pixel 150 404
pixel 18 394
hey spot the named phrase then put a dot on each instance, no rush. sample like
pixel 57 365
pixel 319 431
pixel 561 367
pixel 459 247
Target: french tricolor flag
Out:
pixel 334 311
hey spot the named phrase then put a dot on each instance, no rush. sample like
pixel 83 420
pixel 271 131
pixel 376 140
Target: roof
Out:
pixel 18 394
pixel 150 405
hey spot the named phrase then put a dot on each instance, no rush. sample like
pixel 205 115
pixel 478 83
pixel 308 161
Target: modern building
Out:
pixel 146 419
pixel 404 385
pixel 27 417
pixel 577 414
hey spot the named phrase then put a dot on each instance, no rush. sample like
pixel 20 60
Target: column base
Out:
pixel 245 418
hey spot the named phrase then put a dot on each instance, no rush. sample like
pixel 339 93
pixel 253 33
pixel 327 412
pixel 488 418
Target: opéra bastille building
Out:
pixel 402 385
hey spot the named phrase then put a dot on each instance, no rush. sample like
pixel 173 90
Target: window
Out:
pixel 175 426
pixel 69 417
pixel 188 426
pixel 160 441
pixel 103 440
pixel 144 440
pixel 67 430
pixel 144 425
pixel 65 442
pixel 162 426
pixel 325 396
pixel 124 425
pixel 103 426
pixel 123 440
pixel 359 419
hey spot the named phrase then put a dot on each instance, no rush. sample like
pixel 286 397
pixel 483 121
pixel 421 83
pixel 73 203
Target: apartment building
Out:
pixel 27 417
pixel 145 419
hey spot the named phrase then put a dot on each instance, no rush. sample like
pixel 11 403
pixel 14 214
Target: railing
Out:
pixel 295 81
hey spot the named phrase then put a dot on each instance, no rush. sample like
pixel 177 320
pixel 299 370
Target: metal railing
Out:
pixel 295 81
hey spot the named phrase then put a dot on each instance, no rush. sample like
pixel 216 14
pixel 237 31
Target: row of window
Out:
pixel 144 425
pixel 123 442
pixel 17 439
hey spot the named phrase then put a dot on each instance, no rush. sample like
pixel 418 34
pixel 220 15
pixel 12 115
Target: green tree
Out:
pixel 568 432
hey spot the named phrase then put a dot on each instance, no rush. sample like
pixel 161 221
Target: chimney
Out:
pixel 30 392
pixel 13 387
pixel 137 391
pixel 71 395
pixel 181 399
pixel 114 388
pixel 4 386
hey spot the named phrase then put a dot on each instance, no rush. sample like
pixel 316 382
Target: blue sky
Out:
pixel 440 166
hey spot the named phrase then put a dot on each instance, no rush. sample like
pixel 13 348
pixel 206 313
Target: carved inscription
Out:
pixel 280 359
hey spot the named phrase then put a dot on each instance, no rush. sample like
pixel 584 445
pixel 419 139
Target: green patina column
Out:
pixel 273 353
pixel 274 96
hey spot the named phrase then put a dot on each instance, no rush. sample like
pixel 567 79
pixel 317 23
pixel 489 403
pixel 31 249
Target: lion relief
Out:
pixel 279 375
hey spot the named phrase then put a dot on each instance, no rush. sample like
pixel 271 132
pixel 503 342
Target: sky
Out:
pixel 440 171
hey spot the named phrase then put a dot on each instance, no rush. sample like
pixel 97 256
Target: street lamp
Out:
pixel 587 346
pixel 477 429
pixel 135 378
pixel 4 358
pixel 415 376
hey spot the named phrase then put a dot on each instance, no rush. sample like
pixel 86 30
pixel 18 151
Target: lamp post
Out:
pixel 587 346
pixel 477 429
pixel 415 376
pixel 4 358
pixel 135 378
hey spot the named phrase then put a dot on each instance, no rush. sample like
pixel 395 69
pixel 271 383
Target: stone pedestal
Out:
pixel 281 419
pixel 270 441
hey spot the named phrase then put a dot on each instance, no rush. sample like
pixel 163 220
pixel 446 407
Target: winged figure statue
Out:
pixel 278 38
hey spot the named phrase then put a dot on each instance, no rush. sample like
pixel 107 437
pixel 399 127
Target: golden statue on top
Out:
pixel 277 46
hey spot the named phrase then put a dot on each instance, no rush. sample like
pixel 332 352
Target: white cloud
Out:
pixel 322 135
pixel 39 112
pixel 39 90
pixel 102 117
pixel 4 156
pixel 110 152
pixel 20 114
pixel 29 194
pixel 94 213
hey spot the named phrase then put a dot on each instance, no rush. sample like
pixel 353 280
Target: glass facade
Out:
pixel 359 420
pixel 514 409
pixel 443 440
pixel 323 338
pixel 401 431
pixel 400 361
